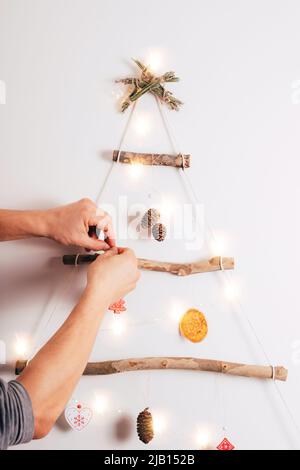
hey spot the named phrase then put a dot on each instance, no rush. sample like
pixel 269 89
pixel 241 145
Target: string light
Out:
pixel 135 170
pixel 176 310
pixel 218 245
pixel 100 404
pixel 203 439
pixel 118 325
pixel 159 422
pixel 154 60
pixel 22 346
pixel 142 124
pixel 231 291
pixel 167 206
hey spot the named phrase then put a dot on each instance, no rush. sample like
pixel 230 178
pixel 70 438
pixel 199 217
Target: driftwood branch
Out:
pixel 181 269
pixel 180 363
pixel 162 159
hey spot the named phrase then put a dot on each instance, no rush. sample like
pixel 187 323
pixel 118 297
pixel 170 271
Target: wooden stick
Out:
pixel 162 159
pixel 183 269
pixel 180 269
pixel 182 363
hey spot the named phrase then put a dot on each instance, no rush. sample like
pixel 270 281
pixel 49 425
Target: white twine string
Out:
pixel 53 305
pixel 194 199
pixel 228 276
pixel 119 148
pixel 58 296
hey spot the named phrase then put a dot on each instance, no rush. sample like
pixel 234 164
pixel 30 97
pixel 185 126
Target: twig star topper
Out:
pixel 148 82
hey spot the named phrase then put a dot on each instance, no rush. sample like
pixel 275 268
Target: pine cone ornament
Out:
pixel 159 232
pixel 150 218
pixel 145 426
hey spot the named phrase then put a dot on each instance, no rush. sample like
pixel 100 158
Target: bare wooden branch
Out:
pixel 179 363
pixel 180 269
pixel 162 159
pixel 183 269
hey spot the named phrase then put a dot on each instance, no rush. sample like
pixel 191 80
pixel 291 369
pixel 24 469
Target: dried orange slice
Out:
pixel 193 325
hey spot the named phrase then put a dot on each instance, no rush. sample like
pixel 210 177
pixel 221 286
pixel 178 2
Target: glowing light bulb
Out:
pixel 218 245
pixel 154 60
pixel 118 325
pixel 177 309
pixel 135 170
pixel 231 291
pixel 159 423
pixel 142 124
pixel 22 346
pixel 167 206
pixel 101 403
pixel 203 439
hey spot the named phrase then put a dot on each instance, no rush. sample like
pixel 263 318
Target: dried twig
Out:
pixel 150 83
pixel 180 269
pixel 182 363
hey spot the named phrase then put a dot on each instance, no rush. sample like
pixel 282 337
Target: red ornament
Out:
pixel 118 307
pixel 78 416
pixel 225 445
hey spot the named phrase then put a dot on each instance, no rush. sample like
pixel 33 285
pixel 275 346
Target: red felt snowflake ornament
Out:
pixel 225 445
pixel 118 307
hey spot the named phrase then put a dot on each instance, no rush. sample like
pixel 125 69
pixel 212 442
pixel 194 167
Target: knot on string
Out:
pixel 273 372
pixel 183 161
pixel 76 259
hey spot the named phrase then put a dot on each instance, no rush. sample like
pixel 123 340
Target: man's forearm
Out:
pixel 68 225
pixel 52 374
pixel 15 225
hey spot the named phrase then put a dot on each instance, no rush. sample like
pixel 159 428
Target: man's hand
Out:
pixel 70 225
pixel 112 275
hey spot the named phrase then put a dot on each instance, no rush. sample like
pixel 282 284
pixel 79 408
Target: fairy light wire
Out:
pixel 194 199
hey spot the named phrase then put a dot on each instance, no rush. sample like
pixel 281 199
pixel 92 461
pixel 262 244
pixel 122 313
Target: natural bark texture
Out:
pixel 162 159
pixel 183 363
pixel 181 269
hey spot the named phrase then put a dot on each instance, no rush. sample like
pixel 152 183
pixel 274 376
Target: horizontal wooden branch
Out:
pixel 182 363
pixel 183 269
pixel 180 269
pixel 162 159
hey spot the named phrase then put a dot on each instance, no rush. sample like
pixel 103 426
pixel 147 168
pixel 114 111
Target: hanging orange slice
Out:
pixel 193 325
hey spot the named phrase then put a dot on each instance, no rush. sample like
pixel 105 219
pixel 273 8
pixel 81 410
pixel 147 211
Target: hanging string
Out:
pixel 223 416
pixel 54 304
pixel 49 313
pixel 46 319
pixel 114 164
pixel 146 388
pixel 167 128
pixel 228 276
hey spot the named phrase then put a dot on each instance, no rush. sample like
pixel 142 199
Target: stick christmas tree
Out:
pixel 155 85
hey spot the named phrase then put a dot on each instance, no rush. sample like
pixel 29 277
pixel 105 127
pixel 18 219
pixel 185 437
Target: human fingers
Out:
pixel 104 222
pixel 94 244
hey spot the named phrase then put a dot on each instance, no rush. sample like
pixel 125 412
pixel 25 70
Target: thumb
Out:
pixel 111 252
pixel 108 254
pixel 94 244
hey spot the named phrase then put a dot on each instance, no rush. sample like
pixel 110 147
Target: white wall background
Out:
pixel 239 65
